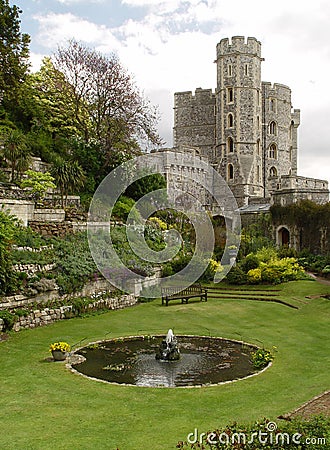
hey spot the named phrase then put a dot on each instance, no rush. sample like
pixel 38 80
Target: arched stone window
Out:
pixel 272 128
pixel 230 172
pixel 230 145
pixel 273 151
pixel 272 105
pixel 291 130
pixel 273 172
pixel 230 95
pixel 230 70
pixel 230 120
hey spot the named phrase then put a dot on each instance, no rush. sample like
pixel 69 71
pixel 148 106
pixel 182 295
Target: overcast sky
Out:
pixel 170 46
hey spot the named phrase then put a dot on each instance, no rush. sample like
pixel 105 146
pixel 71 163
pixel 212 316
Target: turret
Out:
pixel 239 115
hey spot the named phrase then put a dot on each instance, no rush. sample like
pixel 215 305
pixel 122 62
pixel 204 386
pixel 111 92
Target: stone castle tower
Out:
pixel 246 128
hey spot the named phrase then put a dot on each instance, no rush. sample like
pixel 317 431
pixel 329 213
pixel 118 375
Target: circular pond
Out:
pixel 203 361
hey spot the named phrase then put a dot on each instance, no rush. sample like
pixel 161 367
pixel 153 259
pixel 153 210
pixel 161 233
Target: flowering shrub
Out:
pixel 61 346
pixel 158 222
pixel 254 275
pixel 213 268
pixel 265 266
pixel 261 358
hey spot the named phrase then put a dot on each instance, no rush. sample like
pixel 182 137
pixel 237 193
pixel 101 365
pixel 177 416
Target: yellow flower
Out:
pixel 61 346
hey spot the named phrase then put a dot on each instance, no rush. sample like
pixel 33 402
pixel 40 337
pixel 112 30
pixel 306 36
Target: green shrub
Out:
pixel 266 254
pixel 326 270
pixel 26 237
pixel 180 262
pixel 123 207
pixel 287 252
pixel 236 276
pixel 21 312
pixel 167 270
pixel 250 262
pixel 8 319
pixel 314 263
pixel 8 278
pixel 75 264
pixel 80 305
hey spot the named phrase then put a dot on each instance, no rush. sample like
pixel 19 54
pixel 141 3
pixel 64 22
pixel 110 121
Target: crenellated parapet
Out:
pixel 238 44
pixel 277 91
pixel 186 98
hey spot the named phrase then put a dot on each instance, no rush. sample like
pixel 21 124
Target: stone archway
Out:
pixel 283 236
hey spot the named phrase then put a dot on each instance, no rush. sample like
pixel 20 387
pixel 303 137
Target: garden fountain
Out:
pixel 156 361
pixel 168 349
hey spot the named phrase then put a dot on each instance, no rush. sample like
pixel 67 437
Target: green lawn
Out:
pixel 44 406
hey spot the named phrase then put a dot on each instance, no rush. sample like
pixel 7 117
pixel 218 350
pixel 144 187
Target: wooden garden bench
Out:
pixel 184 294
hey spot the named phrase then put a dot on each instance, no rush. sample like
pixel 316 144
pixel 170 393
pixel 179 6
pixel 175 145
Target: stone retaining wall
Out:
pixel 50 229
pixel 41 317
pixel 93 289
pixel 48 215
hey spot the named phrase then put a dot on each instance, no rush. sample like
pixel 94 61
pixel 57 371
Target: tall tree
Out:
pixel 55 109
pixel 102 89
pixel 14 50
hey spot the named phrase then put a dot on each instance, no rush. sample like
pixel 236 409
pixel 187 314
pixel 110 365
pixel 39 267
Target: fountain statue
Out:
pixel 168 349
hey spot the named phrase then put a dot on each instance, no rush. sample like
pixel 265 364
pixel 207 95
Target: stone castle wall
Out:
pixel 194 120
pixel 289 189
pixel 247 129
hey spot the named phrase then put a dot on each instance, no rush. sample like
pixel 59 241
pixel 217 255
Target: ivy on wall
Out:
pixel 304 214
pixel 309 221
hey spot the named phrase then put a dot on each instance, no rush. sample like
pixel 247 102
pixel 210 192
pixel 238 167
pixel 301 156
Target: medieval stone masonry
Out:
pixel 246 129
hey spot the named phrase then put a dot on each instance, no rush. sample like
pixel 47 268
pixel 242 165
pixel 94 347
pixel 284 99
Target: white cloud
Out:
pixel 36 60
pixel 158 5
pixel 54 29
pixel 71 2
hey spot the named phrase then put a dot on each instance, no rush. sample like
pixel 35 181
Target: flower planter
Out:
pixel 58 355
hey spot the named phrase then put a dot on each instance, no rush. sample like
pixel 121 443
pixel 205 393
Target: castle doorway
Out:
pixel 283 236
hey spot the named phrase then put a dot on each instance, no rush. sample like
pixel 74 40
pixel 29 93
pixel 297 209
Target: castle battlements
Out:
pixel 238 44
pixel 277 90
pixel 187 97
